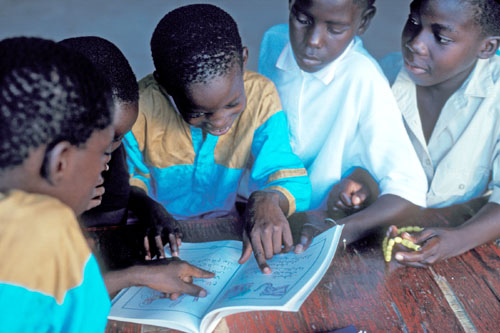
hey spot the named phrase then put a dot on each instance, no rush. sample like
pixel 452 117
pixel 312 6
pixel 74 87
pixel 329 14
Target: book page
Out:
pixel 147 306
pixel 293 278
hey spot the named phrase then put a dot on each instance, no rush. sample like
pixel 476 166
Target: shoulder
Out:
pixel 391 65
pixel 262 97
pixel 360 65
pixel 273 42
pixel 46 250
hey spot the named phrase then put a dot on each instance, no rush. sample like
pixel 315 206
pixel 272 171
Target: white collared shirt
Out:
pixel 341 117
pixel 462 158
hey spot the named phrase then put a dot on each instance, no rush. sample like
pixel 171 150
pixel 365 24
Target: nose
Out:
pixel 316 37
pixel 222 118
pixel 416 44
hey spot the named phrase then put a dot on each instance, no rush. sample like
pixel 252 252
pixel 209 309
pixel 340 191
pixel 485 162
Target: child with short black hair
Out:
pixel 449 95
pixel 56 115
pixel 340 109
pixel 119 197
pixel 203 120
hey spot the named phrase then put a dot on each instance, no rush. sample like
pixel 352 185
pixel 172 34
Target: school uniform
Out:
pixel 49 280
pixel 462 158
pixel 197 176
pixel 343 116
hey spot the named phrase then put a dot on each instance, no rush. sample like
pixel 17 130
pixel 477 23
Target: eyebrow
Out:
pixel 306 13
pixel 440 27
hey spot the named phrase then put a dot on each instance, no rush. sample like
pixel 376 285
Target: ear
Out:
pixel 58 159
pixel 489 47
pixel 245 57
pixel 366 18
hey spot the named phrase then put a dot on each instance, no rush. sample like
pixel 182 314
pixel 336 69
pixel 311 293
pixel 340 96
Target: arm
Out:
pixel 443 243
pixel 173 277
pixel 386 210
pixel 278 183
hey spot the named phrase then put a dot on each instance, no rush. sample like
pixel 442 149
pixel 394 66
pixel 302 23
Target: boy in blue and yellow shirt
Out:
pixel 204 120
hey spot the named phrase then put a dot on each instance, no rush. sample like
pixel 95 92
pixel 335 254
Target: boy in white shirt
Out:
pixel 341 111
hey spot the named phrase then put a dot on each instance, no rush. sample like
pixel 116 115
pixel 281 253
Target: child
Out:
pixel 340 109
pixel 449 95
pixel 203 120
pixel 119 196
pixel 56 129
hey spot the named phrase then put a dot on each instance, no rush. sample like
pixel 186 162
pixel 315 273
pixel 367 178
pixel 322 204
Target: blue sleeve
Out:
pixel 276 167
pixel 138 170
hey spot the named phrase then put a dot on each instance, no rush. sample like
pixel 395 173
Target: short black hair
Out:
pixel 48 94
pixel 364 3
pixel 111 62
pixel 195 43
pixel 486 15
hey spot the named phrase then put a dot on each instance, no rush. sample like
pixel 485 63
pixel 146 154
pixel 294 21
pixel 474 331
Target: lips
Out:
pixel 414 68
pixel 219 131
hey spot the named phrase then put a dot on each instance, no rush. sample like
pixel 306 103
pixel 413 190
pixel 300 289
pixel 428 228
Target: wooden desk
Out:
pixel 458 295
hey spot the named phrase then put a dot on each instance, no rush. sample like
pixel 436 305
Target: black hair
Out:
pixel 111 62
pixel 195 43
pixel 486 15
pixel 48 94
pixel 364 3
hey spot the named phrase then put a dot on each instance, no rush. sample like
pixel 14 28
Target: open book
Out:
pixel 235 288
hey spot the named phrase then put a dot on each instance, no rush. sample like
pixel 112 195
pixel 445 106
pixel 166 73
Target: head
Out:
pixel 56 115
pixel 112 64
pixel 443 39
pixel 320 30
pixel 200 61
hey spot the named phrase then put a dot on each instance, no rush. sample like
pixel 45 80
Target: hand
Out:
pixel 314 226
pixel 437 244
pixel 267 231
pixel 347 195
pixel 97 194
pixel 173 277
pixel 160 223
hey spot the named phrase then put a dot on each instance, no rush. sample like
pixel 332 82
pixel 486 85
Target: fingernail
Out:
pixel 267 270
pixel 202 293
pixel 398 256
pixel 299 248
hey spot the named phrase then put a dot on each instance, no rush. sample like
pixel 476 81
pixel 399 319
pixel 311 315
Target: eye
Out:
pixel 334 31
pixel 301 18
pixel 443 40
pixel 412 20
pixel 195 115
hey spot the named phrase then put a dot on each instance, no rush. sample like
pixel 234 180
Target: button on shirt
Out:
pixel 461 159
pixel 341 117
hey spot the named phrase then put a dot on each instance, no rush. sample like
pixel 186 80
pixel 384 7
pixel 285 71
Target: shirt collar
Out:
pixel 480 82
pixel 286 62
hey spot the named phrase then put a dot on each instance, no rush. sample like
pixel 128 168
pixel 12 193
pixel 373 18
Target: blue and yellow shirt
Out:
pixel 192 176
pixel 49 280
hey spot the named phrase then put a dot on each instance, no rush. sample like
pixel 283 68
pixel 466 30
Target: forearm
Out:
pixel 124 278
pixel 481 228
pixel 386 210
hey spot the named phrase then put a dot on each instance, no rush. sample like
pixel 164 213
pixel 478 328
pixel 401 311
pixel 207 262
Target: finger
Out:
pixel 174 245
pixel 340 205
pixel 159 246
pixel 346 199
pixel 424 235
pixel 146 248
pixel 199 273
pixel 305 241
pixel 247 250
pixel 287 238
pixel 193 290
pixel 174 296
pixel 359 197
pixel 411 257
pixel 277 238
pixel 265 242
pixel 258 252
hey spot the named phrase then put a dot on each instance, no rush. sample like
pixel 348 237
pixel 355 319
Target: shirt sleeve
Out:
pixel 140 174
pixel 494 185
pixel 276 167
